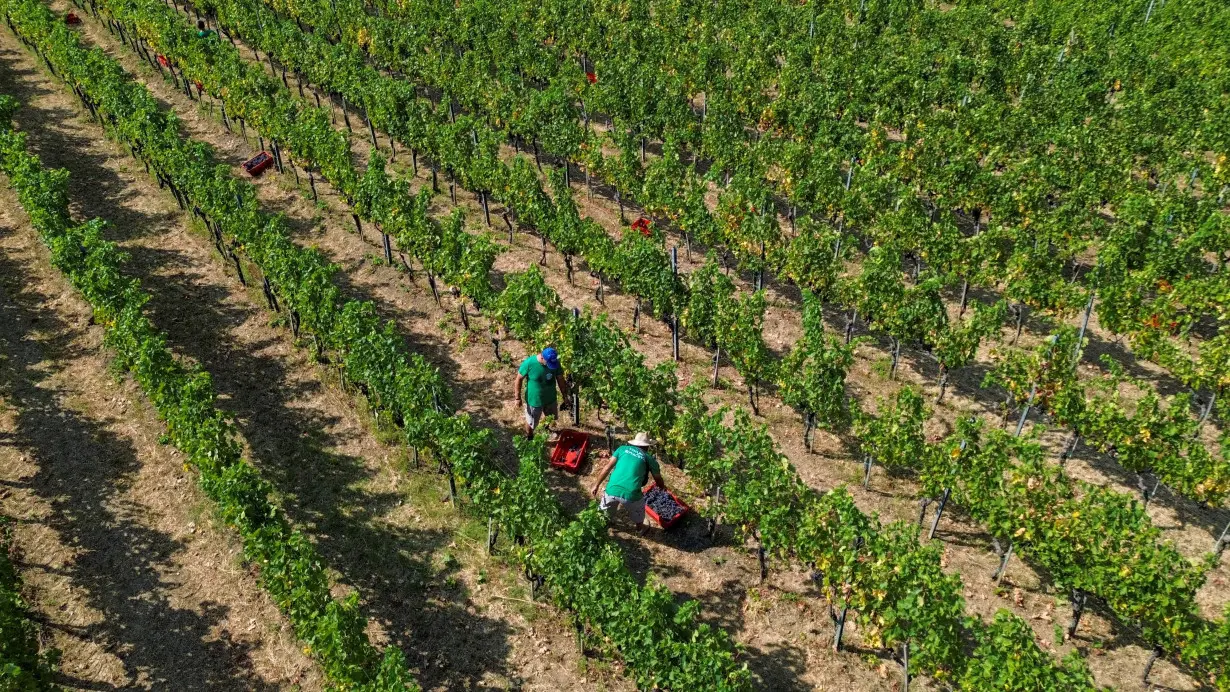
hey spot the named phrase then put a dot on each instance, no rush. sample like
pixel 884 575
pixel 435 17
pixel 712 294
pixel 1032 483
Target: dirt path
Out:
pixel 426 585
pixel 784 632
pixel 126 568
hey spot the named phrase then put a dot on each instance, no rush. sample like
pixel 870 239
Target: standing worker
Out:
pixel 540 373
pixel 632 465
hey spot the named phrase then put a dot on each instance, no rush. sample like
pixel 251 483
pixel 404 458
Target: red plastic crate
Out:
pixel 162 60
pixel 672 522
pixel 255 165
pixel 72 19
pixel 570 450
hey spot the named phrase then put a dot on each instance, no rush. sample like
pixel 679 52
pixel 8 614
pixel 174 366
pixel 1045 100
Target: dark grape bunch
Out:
pixel 663 504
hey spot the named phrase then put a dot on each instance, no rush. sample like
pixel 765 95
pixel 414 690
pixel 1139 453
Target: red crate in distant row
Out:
pixel 662 499
pixel 71 18
pixel 570 450
pixel 255 165
pixel 162 60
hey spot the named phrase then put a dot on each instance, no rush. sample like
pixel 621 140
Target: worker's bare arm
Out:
pixel 606 471
pixel 657 478
pixel 517 386
pixel 564 387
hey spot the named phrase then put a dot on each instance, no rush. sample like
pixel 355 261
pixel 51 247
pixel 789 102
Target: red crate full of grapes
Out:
pixel 255 165
pixel 664 506
pixel 570 450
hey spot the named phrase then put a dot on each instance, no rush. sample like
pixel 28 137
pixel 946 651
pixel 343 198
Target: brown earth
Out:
pixel 719 575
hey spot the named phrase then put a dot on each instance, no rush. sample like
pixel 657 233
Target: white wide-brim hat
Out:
pixel 642 440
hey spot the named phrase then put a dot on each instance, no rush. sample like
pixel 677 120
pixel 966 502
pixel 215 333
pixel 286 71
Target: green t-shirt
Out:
pixel 631 473
pixel 540 382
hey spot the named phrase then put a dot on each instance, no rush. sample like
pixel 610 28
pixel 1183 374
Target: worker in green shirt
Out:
pixel 201 30
pixel 630 467
pixel 541 374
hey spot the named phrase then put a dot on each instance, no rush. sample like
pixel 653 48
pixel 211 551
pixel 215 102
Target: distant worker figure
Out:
pixel 201 31
pixel 632 465
pixel 541 374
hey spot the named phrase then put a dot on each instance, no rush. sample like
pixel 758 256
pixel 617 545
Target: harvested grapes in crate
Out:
pixel 664 507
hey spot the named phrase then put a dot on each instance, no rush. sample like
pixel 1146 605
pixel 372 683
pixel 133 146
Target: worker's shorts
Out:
pixel 634 508
pixel 533 414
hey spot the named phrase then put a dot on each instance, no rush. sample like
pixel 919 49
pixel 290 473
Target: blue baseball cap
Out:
pixel 551 356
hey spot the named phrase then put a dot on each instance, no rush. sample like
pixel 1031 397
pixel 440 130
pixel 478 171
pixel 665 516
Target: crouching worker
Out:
pixel 629 468
pixel 541 374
